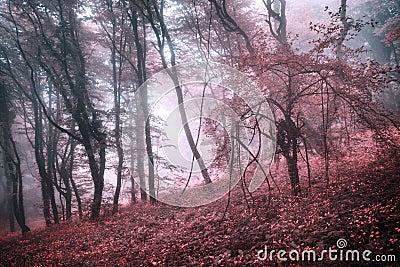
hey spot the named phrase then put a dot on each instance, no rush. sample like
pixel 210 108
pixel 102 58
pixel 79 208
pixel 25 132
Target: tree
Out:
pixel 229 23
pixel 11 159
pixel 155 17
pixel 294 81
pixel 65 165
pixel 26 81
pixel 345 29
pixel 117 42
pixel 138 29
pixel 59 51
pixel 276 19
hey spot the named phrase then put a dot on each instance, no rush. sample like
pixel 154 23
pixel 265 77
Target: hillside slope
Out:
pixel 361 206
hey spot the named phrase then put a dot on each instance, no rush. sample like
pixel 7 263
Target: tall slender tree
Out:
pixel 154 13
pixel 11 158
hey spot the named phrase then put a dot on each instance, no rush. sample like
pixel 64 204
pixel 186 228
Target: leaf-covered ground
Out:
pixel 361 206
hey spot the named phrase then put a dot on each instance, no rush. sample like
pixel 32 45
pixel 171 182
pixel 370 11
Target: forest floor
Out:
pixel 361 206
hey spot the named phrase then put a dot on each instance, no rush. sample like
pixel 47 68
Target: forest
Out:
pixel 199 133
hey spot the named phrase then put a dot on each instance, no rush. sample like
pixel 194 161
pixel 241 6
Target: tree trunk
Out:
pixel 189 135
pixel 65 179
pixel 140 151
pixel 117 128
pixel 73 184
pixel 67 176
pixel 293 175
pixel 45 177
pixel 142 76
pixel 51 149
pixel 132 159
pixel 117 44
pixel 46 202
pixel 346 27
pixel 9 197
pixel 12 160
pixel 277 19
pixel 178 88
pixel 93 140
pixel 149 149
pixel 292 159
pixel 89 130
pixel 287 141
